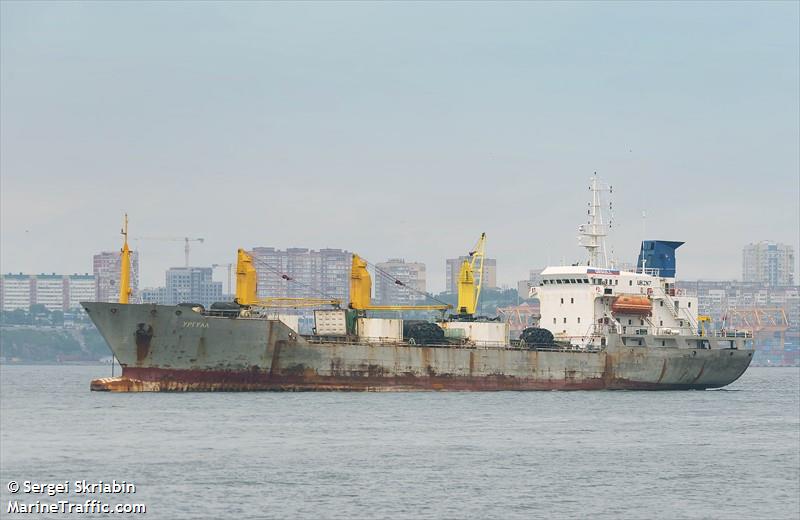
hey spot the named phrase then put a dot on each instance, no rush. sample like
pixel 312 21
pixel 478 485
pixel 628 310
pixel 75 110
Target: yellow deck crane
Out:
pixel 361 292
pixel 247 285
pixel 468 292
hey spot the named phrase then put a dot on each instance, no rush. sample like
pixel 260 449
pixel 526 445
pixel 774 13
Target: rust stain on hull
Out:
pixel 136 379
pixel 200 353
pixel 663 370
pixel 143 336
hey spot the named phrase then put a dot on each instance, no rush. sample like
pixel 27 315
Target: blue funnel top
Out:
pixel 659 254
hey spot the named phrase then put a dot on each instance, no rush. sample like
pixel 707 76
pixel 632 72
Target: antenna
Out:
pixel 644 225
pixel 594 232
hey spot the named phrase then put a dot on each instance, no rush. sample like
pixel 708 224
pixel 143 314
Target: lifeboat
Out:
pixel 639 305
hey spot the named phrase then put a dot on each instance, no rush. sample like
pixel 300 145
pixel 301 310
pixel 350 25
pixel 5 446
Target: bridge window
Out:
pixel 554 321
pixel 689 304
pixel 572 300
pixel 562 300
pixel 565 320
pixel 630 282
pixel 579 319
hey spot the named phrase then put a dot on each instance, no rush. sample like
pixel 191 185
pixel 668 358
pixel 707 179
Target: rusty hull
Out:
pixel 168 348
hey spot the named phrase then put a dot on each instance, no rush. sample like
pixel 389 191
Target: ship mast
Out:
pixel 594 232
pixel 125 266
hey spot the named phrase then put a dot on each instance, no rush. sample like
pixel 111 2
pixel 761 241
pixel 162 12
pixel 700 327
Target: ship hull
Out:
pixel 167 348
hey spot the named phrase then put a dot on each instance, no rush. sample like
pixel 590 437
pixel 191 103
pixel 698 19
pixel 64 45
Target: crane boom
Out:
pixel 247 285
pixel 361 292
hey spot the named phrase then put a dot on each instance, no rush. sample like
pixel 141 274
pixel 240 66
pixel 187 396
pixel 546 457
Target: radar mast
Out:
pixel 594 232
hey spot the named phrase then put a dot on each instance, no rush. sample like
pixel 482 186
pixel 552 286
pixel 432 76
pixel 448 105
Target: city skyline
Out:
pixel 456 120
pixel 309 267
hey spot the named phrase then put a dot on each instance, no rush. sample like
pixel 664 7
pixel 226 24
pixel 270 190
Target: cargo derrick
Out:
pixel 247 293
pixel 361 292
pixel 125 266
pixel 387 329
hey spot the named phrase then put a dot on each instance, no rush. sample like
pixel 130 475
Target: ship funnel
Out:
pixel 658 254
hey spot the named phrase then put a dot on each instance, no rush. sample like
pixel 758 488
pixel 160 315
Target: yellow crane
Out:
pixel 247 289
pixel 702 320
pixel 125 266
pixel 361 292
pixel 185 240
pixel 468 292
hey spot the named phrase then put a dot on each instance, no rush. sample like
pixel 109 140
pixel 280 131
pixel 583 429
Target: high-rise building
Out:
pixel 106 275
pixel 410 274
pixel 302 273
pixel 769 263
pixel 55 291
pixel 192 285
pixel 524 286
pixel 157 295
pixel 453 267
pixel 49 291
pixel 16 291
pixel 81 288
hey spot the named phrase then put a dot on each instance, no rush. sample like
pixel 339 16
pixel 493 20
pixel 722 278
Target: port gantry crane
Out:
pixel 468 292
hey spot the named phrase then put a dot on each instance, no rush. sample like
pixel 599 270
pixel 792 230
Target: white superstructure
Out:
pixel 582 304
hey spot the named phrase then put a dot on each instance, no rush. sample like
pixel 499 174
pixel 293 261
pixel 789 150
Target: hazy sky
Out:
pixel 396 129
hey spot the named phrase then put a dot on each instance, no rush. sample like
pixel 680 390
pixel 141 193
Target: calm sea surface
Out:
pixel 732 453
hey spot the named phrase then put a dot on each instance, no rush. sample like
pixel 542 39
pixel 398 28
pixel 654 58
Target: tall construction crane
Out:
pixel 229 266
pixel 185 240
pixel 468 292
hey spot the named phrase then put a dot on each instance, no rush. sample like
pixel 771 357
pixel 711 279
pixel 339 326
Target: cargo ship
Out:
pixel 601 328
